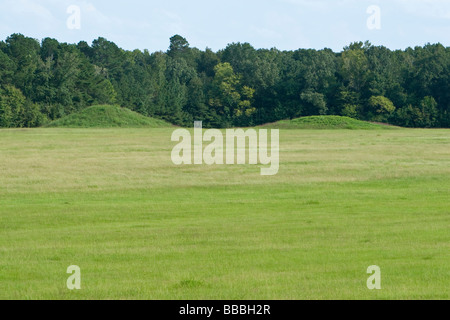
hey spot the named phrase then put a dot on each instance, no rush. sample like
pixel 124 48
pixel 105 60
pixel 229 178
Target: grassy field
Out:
pixel 139 227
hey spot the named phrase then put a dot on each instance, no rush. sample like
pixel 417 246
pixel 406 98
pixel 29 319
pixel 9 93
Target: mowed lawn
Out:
pixel 139 227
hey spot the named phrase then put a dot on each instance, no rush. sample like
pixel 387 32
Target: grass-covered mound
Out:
pixel 107 117
pixel 325 122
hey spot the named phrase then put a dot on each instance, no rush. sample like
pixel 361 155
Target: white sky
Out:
pixel 285 24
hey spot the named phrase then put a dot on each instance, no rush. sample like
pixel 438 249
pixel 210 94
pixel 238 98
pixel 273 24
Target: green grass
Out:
pixel 107 117
pixel 139 227
pixel 326 122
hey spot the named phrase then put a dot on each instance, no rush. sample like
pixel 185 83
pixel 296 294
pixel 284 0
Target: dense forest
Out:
pixel 236 86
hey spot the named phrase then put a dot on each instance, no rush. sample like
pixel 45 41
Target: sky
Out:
pixel 284 24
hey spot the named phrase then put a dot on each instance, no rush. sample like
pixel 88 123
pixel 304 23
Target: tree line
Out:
pixel 236 86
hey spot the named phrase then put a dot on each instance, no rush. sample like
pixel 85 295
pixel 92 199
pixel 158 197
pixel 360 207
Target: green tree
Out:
pixel 207 61
pixel 380 108
pixel 6 113
pixel 424 115
pixel 224 95
pixel 429 112
pixel 354 67
pixel 351 110
pixel 17 111
pixel 12 103
pixel 179 47
pixel 7 69
pixel 25 52
pixel 196 105
pixel 314 103
pixel 228 97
